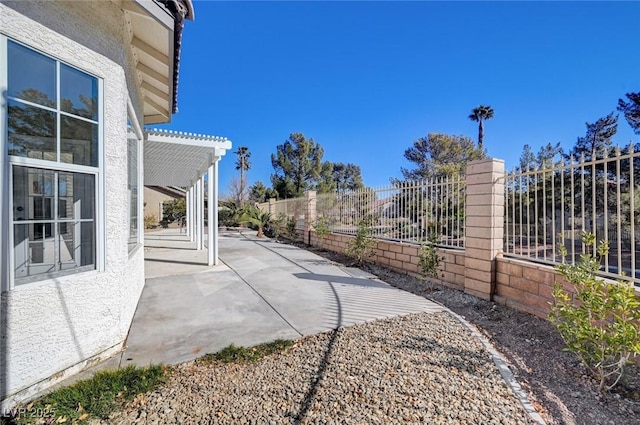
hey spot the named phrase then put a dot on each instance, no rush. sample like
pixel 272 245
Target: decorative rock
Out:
pixel 417 368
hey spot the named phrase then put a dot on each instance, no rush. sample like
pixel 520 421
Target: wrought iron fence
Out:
pixel 404 211
pixel 550 207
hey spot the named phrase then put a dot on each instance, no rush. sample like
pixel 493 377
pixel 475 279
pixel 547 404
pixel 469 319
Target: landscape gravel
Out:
pixel 420 368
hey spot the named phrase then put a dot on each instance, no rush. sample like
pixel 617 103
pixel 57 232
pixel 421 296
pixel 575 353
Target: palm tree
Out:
pixel 479 114
pixel 243 164
pixel 253 215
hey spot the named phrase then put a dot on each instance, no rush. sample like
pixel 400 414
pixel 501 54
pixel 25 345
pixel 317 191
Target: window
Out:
pixel 53 149
pixel 133 186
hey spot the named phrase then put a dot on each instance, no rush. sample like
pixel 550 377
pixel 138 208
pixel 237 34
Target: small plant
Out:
pixel 602 326
pixel 321 227
pixel 274 228
pixel 291 228
pixel 150 221
pixel 256 217
pixel 429 261
pixel 97 396
pixel 361 247
pixel 233 354
pixel 229 213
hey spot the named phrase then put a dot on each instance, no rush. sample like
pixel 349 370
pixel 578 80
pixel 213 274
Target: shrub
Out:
pixel 150 221
pixel 174 210
pixel 253 215
pixel 229 214
pixel 291 228
pixel 429 261
pixel 361 247
pixel 274 228
pixel 321 227
pixel 601 326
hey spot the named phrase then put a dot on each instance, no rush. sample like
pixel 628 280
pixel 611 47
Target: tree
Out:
pixel 528 160
pixel 347 176
pixel 297 164
pixel 440 154
pixel 631 110
pixel 480 114
pixel 260 193
pixel 235 193
pixel 598 137
pixel 325 183
pixel 243 164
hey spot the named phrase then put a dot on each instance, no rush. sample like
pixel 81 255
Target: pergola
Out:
pixel 184 159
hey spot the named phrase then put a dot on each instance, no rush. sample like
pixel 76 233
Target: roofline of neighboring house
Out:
pixel 173 191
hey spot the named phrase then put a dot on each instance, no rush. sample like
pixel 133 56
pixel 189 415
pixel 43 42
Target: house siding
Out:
pixel 54 328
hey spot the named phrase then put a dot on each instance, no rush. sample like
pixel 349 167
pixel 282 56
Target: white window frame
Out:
pixel 7 163
pixel 135 125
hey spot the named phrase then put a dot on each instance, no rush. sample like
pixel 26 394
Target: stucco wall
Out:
pixel 153 201
pixel 54 325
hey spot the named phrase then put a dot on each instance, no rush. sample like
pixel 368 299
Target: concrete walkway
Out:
pixel 261 291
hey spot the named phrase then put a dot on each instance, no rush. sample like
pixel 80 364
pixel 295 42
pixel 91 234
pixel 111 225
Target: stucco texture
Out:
pixel 57 324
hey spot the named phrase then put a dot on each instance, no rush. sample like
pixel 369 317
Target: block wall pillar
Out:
pixel 484 226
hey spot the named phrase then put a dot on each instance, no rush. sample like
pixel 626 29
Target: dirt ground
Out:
pixel 557 383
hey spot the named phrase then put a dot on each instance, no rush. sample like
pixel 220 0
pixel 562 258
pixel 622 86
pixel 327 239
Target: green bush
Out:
pixel 274 228
pixel 174 210
pixel 361 247
pixel 601 325
pixel 321 227
pixel 229 214
pixel 429 261
pixel 254 216
pixel 290 228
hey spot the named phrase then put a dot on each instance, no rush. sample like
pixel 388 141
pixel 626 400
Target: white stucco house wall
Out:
pixel 79 80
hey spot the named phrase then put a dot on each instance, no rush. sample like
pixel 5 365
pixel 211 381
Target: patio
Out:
pixel 261 291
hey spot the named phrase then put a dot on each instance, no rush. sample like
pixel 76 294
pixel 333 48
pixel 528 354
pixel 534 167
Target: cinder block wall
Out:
pixel 524 285
pixel 402 257
pixel 479 269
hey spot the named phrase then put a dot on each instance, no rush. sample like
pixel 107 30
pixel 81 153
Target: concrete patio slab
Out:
pixel 262 291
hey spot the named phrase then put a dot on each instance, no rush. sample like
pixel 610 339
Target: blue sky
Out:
pixel 365 79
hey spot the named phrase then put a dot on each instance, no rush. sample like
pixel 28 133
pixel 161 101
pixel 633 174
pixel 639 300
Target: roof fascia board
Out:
pixel 158 12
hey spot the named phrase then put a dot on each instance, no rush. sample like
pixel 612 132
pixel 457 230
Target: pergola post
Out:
pixel 186 212
pixel 212 229
pixel 201 212
pixel 192 213
pixel 198 214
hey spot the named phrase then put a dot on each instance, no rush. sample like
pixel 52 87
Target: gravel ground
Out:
pixel 420 368
pixel 557 384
